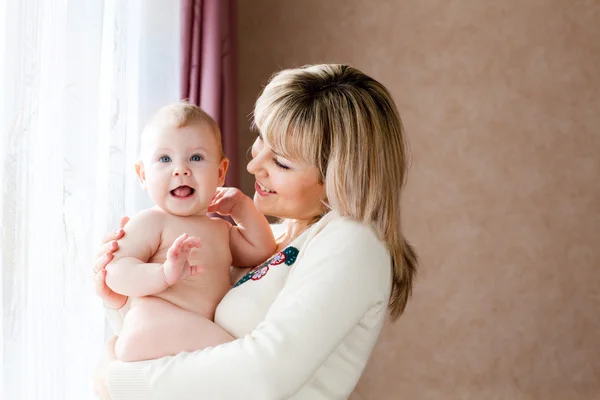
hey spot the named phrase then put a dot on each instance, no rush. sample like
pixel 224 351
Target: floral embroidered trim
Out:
pixel 287 256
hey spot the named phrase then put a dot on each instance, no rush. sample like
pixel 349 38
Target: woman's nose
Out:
pixel 256 164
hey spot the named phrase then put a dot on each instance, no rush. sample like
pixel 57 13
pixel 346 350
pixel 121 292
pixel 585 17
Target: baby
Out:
pixel 174 260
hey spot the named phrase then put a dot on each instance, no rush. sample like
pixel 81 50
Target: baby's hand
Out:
pixel 226 199
pixel 177 267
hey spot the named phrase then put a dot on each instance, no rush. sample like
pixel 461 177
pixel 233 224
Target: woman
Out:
pixel 330 160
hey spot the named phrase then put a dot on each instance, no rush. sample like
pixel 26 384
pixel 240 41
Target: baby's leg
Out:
pixel 157 328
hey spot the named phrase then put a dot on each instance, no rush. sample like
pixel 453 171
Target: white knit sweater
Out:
pixel 307 321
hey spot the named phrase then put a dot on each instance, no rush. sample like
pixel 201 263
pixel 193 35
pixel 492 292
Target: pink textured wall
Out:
pixel 501 103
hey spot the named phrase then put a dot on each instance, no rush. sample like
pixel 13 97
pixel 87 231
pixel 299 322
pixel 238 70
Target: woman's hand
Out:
pixel 100 378
pixel 104 256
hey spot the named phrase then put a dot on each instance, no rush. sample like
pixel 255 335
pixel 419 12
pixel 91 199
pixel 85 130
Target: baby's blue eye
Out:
pixel 196 157
pixel 164 159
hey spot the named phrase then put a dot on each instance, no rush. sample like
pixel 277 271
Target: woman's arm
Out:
pixel 116 317
pixel 344 273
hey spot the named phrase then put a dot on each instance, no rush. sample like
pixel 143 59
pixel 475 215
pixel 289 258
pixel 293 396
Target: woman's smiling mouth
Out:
pixel 263 190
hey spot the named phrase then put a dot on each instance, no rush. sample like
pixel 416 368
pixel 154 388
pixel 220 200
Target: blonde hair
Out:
pixel 182 114
pixel 347 125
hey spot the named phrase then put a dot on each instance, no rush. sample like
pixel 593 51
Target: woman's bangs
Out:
pixel 289 135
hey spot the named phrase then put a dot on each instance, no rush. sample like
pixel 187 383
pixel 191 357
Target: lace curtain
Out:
pixel 77 80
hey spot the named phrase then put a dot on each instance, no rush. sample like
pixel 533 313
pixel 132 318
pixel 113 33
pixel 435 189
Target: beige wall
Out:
pixel 501 103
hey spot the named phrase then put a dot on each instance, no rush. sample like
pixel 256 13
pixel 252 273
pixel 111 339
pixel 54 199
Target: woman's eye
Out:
pixel 196 157
pixel 164 159
pixel 280 165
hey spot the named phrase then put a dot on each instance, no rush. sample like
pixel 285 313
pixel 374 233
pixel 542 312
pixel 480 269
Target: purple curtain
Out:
pixel 208 68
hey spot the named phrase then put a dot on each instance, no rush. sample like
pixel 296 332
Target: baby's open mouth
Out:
pixel 182 192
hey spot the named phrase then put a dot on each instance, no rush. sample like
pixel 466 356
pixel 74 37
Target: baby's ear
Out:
pixel 223 170
pixel 141 173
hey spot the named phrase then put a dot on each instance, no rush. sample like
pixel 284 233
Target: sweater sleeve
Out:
pixel 115 317
pixel 344 272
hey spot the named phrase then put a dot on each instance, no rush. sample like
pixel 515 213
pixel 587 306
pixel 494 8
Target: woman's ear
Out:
pixel 223 170
pixel 141 173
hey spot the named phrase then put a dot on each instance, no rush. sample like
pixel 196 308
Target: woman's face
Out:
pixel 284 188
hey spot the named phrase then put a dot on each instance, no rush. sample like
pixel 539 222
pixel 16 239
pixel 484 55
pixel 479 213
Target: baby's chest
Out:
pixel 214 244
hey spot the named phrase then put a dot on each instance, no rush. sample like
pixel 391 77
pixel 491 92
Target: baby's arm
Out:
pixel 252 240
pixel 129 273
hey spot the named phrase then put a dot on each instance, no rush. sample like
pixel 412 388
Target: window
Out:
pixel 77 79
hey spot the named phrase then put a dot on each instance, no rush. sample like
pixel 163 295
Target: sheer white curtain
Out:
pixel 77 80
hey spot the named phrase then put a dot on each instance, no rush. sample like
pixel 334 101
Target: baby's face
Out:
pixel 182 167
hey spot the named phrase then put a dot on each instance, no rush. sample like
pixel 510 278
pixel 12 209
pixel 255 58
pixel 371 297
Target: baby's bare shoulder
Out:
pixel 220 223
pixel 152 214
pixel 150 218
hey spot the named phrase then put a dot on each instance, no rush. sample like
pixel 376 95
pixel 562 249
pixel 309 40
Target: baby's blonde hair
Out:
pixel 182 114
pixel 347 125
